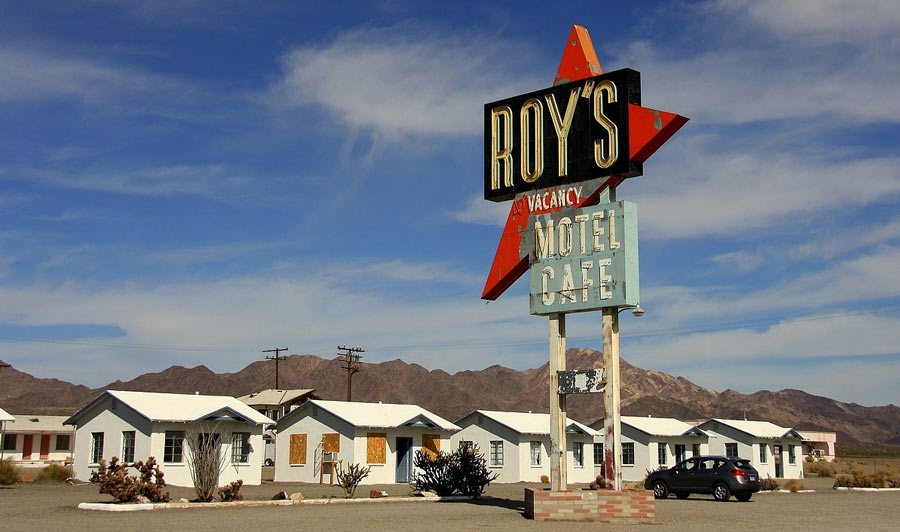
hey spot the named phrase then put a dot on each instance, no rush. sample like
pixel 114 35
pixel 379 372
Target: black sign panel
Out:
pixel 560 135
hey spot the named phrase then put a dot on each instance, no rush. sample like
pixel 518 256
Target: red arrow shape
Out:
pixel 648 130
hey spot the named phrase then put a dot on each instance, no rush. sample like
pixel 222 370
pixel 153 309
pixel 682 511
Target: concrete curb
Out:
pixel 867 490
pixel 138 507
pixel 786 491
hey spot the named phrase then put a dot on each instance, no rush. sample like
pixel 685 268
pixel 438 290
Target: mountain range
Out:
pixel 643 393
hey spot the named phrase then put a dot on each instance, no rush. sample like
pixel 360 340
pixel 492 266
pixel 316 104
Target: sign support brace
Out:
pixel 612 427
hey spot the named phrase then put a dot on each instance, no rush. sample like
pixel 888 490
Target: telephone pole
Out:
pixel 350 363
pixel 276 358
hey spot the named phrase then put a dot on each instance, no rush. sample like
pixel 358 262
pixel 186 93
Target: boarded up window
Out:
pixel 431 444
pixel 376 444
pixel 331 443
pixel 298 448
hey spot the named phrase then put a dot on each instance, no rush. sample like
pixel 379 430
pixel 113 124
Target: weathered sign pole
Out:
pixel 559 154
pixel 558 466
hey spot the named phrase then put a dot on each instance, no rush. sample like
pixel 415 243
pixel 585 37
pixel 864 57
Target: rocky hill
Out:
pixel 644 392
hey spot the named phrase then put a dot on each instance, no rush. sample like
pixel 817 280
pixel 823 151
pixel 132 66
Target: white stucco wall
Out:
pixel 150 441
pixel 353 446
pixel 748 447
pixel 517 451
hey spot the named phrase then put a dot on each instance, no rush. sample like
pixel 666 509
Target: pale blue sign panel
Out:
pixel 584 259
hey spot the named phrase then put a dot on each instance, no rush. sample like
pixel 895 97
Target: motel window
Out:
pixel 578 453
pixel 679 452
pixel 96 447
pixel 661 453
pixel 598 454
pixel 628 453
pixel 497 453
pixel 535 453
pixel 792 454
pixel 695 449
pixel 63 442
pixel 173 448
pixel 128 446
pixel 9 442
pixel 763 453
pixel 731 450
pixel 240 447
pixel 298 449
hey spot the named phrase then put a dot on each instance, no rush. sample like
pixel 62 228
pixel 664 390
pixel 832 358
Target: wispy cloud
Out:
pixel 402 81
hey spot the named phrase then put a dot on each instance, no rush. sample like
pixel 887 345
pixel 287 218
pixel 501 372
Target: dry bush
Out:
pixel 55 472
pixel 793 485
pixel 545 479
pixel 231 492
pixel 115 480
pixel 462 472
pixel 599 483
pixel 859 479
pixel 349 478
pixel 206 459
pixel 770 484
pixel 824 470
pixel 9 473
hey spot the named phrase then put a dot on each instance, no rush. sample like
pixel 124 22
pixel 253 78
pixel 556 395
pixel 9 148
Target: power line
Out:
pixel 350 363
pixel 276 358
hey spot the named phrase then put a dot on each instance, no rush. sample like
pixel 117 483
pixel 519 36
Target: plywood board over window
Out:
pixel 298 448
pixel 331 442
pixel 431 444
pixel 376 448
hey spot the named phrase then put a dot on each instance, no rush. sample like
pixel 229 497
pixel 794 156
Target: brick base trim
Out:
pixel 590 505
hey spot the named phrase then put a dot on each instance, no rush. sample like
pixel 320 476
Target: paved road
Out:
pixel 53 507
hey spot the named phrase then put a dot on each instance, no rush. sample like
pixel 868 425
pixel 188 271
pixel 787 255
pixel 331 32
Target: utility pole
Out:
pixel 350 363
pixel 276 358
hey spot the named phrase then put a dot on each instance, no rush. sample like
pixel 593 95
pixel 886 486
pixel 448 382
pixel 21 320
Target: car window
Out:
pixel 689 465
pixel 743 464
pixel 708 463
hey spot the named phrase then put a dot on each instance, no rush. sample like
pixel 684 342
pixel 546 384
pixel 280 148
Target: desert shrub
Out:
pixel 462 472
pixel 349 478
pixel 545 479
pixel 770 484
pixel 231 492
pixel 858 479
pixel 793 485
pixel 115 480
pixel 9 473
pixel 599 483
pixel 824 470
pixel 648 472
pixel 809 459
pixel 55 472
pixel 206 459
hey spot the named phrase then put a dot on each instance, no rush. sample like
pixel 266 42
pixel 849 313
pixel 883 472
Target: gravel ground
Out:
pixel 42 506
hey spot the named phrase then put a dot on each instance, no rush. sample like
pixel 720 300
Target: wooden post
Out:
pixel 557 403
pixel 612 428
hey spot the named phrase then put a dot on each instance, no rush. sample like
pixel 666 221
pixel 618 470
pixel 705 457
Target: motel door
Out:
pixel 26 446
pixel 779 470
pixel 404 460
pixel 45 446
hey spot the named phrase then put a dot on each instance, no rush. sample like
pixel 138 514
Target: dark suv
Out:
pixel 718 475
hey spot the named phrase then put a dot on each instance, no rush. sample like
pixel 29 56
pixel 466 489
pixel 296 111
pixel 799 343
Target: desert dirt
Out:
pixel 53 506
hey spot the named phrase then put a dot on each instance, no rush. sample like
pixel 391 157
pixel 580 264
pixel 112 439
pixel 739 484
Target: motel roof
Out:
pixel 273 397
pixel 662 426
pixel 4 416
pixel 530 422
pixel 34 423
pixel 376 415
pixel 757 429
pixel 179 408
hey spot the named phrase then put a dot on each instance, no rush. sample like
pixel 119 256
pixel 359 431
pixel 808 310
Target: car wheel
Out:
pixel 682 494
pixel 660 491
pixel 721 492
pixel 743 497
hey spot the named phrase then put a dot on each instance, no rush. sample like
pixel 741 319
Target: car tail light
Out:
pixel 738 473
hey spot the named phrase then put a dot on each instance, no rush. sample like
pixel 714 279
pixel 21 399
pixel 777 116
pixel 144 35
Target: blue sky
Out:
pixel 191 182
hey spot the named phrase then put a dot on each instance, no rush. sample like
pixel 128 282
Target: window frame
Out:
pixel 695 449
pixel 662 454
pixel 97 447
pixel 10 441
pixel 763 453
pixel 128 437
pixel 240 447
pixel 535 445
pixel 578 454
pixel 733 454
pixel 68 438
pixel 496 456
pixel 628 453
pixel 598 454
pixel 173 447
pixel 792 454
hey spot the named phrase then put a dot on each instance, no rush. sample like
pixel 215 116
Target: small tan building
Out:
pixel 34 439
pixel 819 444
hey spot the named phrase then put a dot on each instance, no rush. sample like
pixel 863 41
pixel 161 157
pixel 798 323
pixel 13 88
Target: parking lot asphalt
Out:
pixel 53 506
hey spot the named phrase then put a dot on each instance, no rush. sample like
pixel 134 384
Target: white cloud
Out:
pixel 479 211
pixel 403 81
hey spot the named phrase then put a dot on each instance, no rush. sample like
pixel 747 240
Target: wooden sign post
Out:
pixel 559 154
